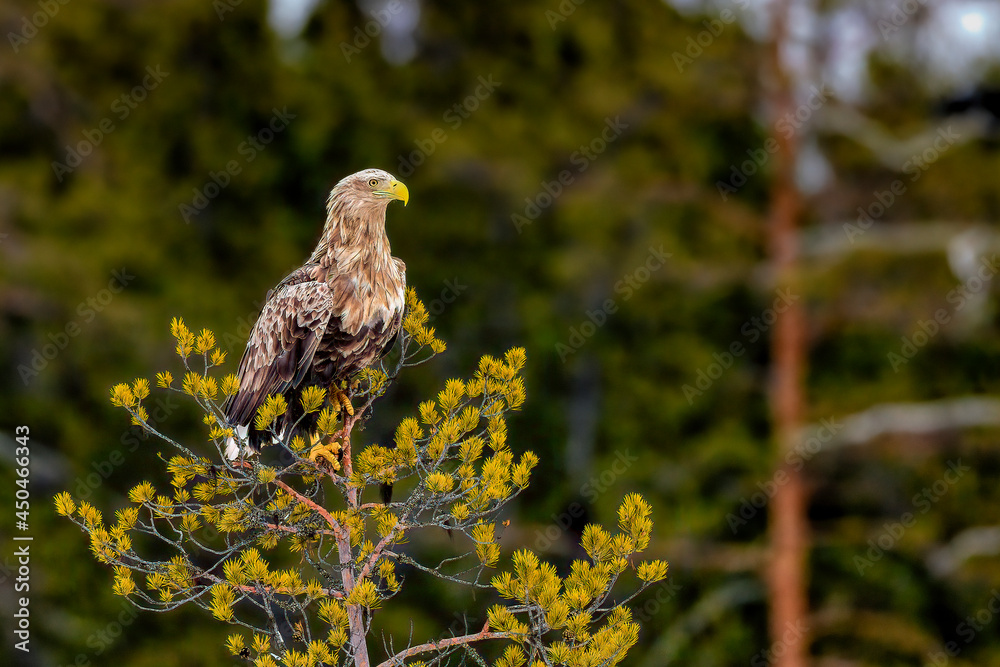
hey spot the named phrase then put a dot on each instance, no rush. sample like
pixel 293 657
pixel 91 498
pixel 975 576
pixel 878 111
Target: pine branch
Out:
pixel 482 635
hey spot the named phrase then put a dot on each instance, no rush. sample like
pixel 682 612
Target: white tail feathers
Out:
pixel 238 446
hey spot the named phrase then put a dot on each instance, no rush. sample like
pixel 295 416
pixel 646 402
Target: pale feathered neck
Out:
pixel 354 232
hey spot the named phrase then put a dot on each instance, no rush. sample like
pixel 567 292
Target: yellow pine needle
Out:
pixel 64 504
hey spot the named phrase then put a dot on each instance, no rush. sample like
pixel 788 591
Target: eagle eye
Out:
pixel 373 182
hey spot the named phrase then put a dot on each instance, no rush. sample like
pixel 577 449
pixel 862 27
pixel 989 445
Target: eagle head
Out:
pixel 370 189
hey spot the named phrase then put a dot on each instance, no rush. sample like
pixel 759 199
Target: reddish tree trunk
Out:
pixel 786 578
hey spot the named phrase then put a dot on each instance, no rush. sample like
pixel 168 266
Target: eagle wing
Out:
pixel 360 332
pixel 283 342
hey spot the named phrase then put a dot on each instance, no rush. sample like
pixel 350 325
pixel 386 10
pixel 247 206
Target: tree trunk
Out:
pixel 786 578
pixel 355 615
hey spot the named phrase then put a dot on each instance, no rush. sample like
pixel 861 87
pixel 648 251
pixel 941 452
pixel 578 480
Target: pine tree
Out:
pixel 222 527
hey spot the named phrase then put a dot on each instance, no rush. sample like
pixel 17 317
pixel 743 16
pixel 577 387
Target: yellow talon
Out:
pixel 326 455
pixel 340 399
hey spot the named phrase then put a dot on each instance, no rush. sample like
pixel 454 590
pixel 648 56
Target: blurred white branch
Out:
pixel 49 468
pixel 887 149
pixel 905 418
pixel 981 541
pixel 903 238
pixel 965 246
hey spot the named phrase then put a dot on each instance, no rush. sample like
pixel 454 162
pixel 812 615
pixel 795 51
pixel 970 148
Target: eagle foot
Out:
pixel 341 400
pixel 326 455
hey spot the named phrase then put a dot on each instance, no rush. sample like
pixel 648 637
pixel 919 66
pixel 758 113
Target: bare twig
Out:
pixel 485 634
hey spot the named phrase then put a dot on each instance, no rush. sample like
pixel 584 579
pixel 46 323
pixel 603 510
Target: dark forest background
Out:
pixel 641 193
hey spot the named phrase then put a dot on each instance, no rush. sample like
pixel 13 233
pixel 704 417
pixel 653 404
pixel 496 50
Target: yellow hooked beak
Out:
pixel 396 190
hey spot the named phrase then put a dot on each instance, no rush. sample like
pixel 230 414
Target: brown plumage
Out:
pixel 335 315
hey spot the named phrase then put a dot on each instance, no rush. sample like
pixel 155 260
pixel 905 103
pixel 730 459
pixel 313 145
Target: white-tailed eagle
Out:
pixel 333 316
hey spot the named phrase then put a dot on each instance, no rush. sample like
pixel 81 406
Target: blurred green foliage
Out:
pixel 607 418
